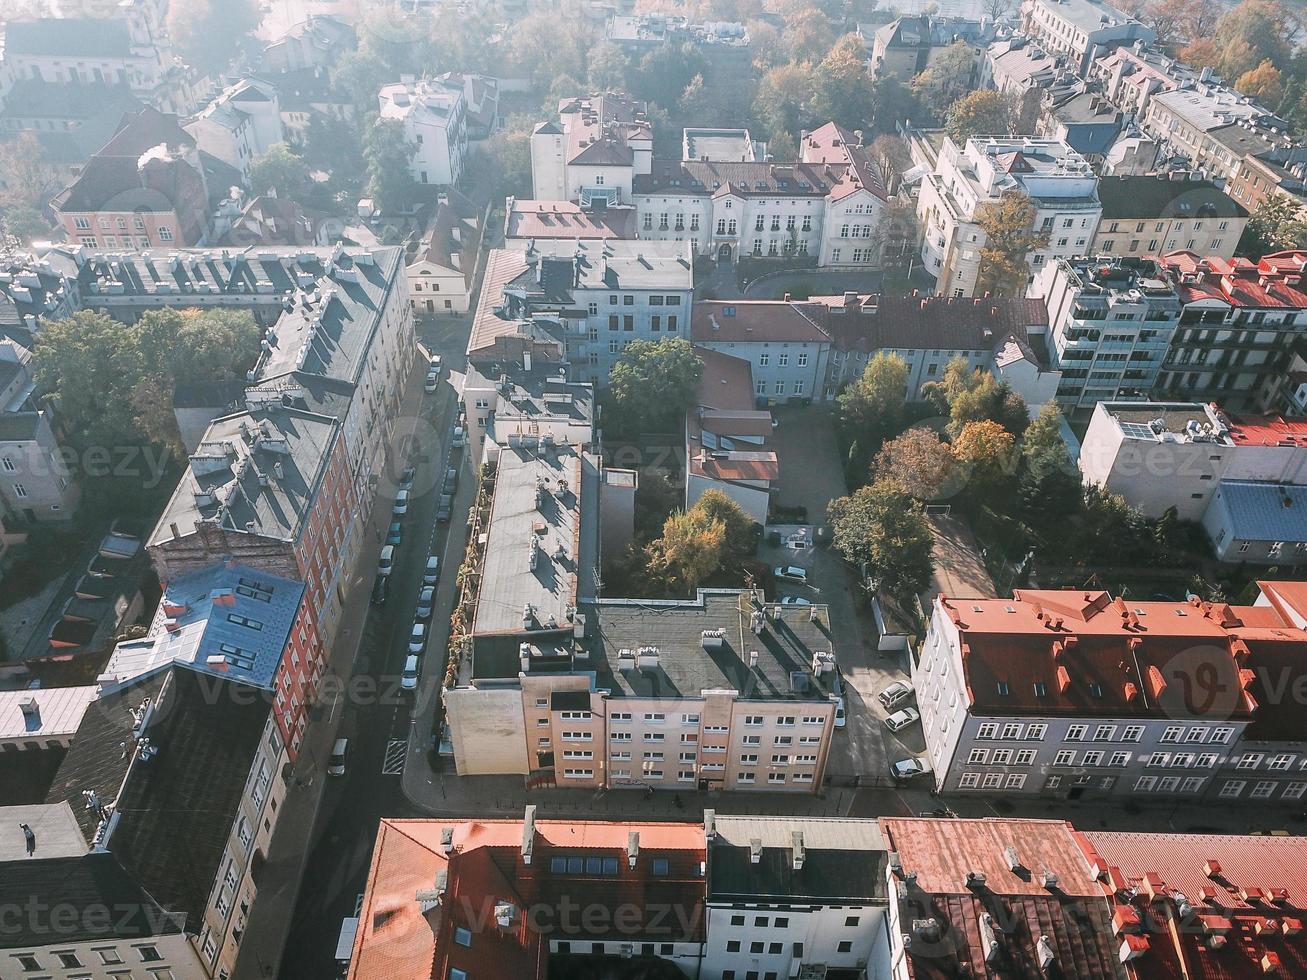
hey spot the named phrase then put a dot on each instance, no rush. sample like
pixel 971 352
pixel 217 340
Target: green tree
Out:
pixel 1249 34
pixel 1043 436
pixel 281 170
pixel 335 146
pixel 919 462
pixel 1275 225
pixel 741 539
pixel 843 88
pixel 1009 238
pixel 26 224
pixel 982 113
pixel 1262 83
pixel 664 72
pixel 872 405
pixel 609 68
pixel 988 452
pixel 207 33
pixel 882 529
pixel 508 158
pixel 653 384
pixel 388 155
pixel 361 74
pixel 27 178
pixel 946 79
pixel 784 102
pixel 766 45
pixel 549 43
pixel 692 548
pixel 892 102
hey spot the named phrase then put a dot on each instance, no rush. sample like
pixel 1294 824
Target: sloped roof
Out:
pixel 1151 197
pixel 1263 511
pixel 756 320
pixel 68 37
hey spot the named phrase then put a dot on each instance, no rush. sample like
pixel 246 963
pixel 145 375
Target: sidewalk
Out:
pixel 278 882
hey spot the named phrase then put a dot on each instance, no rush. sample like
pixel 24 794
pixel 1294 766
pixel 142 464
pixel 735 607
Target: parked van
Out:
pixel 339 752
pixel 386 564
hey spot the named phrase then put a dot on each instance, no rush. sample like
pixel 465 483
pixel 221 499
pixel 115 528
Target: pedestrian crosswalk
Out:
pixel 396 750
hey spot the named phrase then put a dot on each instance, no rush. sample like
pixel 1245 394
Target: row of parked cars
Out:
pixel 895 699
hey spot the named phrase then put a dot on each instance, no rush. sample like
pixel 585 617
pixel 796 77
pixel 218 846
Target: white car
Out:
pixel 902 719
pixel 894 695
pixel 840 717
pixel 910 768
pixel 408 680
pixel 436 362
pixel 792 573
pixel 794 600
pixel 432 382
pixel 418 638
pixel 401 503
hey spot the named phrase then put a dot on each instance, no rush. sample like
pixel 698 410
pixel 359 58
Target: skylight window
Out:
pixel 245 621
pixel 1003 688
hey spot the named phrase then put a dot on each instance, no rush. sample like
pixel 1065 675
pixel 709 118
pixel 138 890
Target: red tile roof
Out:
pixel 484 872
pixel 1267 430
pixel 938 855
pixel 757 320
pixel 726 383
pixel 1206 907
pixel 870 322
pixel 1101 657
pixel 1274 282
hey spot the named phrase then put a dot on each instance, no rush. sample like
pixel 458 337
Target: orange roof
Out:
pixel 726 383
pixel 407 922
pixel 1268 430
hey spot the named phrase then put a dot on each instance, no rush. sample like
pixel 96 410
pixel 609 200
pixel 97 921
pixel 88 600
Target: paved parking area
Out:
pixel 811 472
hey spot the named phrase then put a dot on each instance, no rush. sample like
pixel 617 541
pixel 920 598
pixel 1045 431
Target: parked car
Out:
pixel 401 503
pixel 792 573
pixel 408 680
pixel 339 754
pixel 436 363
pixel 431 574
pixel 458 438
pixel 445 508
pixel 426 602
pixel 406 478
pixel 910 768
pixel 396 533
pixel 432 382
pixel 895 695
pixel 380 590
pixel 840 718
pixel 417 640
pixel 794 600
pixel 451 480
pixel 902 719
pixel 386 563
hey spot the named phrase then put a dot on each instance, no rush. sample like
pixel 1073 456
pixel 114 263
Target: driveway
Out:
pixel 812 474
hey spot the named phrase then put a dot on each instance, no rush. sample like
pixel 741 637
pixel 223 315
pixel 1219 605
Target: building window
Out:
pixel 165 233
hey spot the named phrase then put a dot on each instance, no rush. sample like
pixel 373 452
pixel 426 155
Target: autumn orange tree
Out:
pixel 1010 237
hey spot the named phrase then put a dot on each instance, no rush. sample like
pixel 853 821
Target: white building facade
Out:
pixel 434 117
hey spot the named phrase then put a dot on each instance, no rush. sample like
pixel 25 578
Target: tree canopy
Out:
pixel 281 170
pixel 208 32
pixel 714 536
pixel 388 155
pixel 653 384
pixel 1009 239
pixel 982 113
pixel 882 528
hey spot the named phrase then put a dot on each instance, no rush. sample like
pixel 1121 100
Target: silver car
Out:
pixel 902 719
pixel 894 695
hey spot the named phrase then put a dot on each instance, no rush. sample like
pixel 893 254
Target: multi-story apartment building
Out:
pixel 1078 115
pixel 240 124
pixel 160 816
pixel 907 46
pixel 1159 455
pixel 434 116
pixel 1081 30
pixel 1151 215
pixel 721 691
pixel 1280 170
pixel 1058 181
pixel 982 897
pixel 271 488
pixel 1242 477
pixel 830 205
pixel 1019 67
pixel 36 483
pixel 581 302
pixel 593 152
pixel 241 624
pixel 1130 76
pixel 129 49
pixel 718 900
pixel 1212 126
pixel 1237 330
pixel 795 897
pixel 145 187
pixel 1110 326
pixel 442 267
pixel 524 404
pixel 1071 694
pixel 784 341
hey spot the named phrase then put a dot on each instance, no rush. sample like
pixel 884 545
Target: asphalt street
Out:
pixel 375 714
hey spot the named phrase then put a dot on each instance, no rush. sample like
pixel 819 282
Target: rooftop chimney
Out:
pixel 632 848
pixel 796 843
pixel 755 850
pixel 528 833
